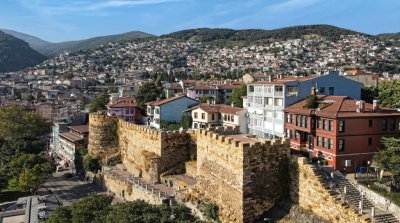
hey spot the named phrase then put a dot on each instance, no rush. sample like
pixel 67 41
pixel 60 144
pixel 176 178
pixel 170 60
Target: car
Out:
pixel 68 175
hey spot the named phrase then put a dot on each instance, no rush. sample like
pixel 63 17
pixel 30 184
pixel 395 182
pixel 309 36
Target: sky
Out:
pixel 63 20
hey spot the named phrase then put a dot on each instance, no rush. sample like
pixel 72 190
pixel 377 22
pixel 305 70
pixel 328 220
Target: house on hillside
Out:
pixel 344 131
pixel 169 110
pixel 214 115
pixel 125 108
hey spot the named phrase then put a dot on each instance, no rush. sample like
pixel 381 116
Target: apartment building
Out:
pixel 343 131
pixel 266 99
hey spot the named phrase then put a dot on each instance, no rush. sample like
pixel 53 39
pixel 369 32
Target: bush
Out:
pixel 304 152
pixel 314 159
pixel 324 162
pixel 91 164
pixel 210 211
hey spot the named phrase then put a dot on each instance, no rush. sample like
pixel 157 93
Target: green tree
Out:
pixel 28 171
pixel 91 164
pixel 368 94
pixel 186 121
pixel 147 92
pixel 99 103
pixel 389 93
pixel 206 99
pixel 236 96
pixel 79 154
pixel 388 158
pixel 91 208
pixel 311 102
pixel 61 215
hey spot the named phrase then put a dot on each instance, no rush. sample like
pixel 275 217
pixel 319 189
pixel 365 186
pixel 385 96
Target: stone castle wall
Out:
pixel 102 136
pixel 130 191
pixel 241 178
pixel 310 193
pixel 148 153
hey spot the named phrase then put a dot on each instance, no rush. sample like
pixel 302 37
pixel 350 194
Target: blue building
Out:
pixel 168 110
pixel 267 99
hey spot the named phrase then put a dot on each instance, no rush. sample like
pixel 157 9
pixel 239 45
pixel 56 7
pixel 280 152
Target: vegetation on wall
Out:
pixel 311 102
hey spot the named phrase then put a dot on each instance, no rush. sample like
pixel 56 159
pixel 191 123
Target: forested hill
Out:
pixel 386 36
pixel 207 35
pixel 16 54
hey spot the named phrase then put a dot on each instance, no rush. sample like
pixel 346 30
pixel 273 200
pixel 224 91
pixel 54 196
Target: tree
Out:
pixel 368 94
pixel 147 92
pixel 91 164
pixel 61 215
pixel 207 99
pixel 91 208
pixel 388 158
pixel 311 102
pixel 99 103
pixel 236 96
pixel 389 93
pixel 28 171
pixel 21 133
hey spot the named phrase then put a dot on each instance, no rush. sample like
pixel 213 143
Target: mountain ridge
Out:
pixel 15 54
pixel 52 49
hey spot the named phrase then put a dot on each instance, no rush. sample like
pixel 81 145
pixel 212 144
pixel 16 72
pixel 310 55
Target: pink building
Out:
pixel 125 108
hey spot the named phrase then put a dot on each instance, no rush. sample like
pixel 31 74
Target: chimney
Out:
pixel 232 105
pixel 208 101
pixel 361 106
pixel 269 78
pixel 314 91
pixel 158 99
pixel 375 105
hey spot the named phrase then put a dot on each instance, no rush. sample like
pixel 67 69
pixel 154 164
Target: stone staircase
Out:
pixel 353 196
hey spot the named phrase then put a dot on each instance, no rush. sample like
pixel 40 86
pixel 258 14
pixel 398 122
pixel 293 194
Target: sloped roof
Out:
pixel 167 100
pixel 218 108
pixel 339 106
pixel 123 102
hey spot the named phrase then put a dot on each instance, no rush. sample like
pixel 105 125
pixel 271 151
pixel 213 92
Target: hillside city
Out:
pixel 197 131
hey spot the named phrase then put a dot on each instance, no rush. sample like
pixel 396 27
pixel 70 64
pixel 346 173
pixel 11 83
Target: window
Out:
pixel 288 133
pixel 331 90
pixel 278 88
pixel 370 123
pixel 331 125
pixel 212 117
pixel 319 141
pixel 319 123
pixel 278 115
pixel 324 142
pixel 341 145
pixel 157 111
pixel 392 124
pixel 195 115
pixel 268 101
pixel 341 126
pixel 203 115
pixel 232 118
pixel 369 141
pixel 384 125
pixel 279 102
pixel 251 88
pixel 258 100
pixel 289 118
pixel 321 90
pixel 330 146
pixel 292 90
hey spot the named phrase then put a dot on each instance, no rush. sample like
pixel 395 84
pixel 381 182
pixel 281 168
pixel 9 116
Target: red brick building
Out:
pixel 344 131
pixel 126 109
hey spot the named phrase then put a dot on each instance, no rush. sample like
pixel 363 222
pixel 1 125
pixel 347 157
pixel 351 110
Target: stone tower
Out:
pixel 102 134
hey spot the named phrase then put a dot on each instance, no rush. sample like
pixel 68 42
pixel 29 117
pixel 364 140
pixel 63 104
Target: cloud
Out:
pixel 54 7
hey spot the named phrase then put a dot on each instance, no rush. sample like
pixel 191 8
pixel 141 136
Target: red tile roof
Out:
pixel 165 101
pixel 220 108
pixel 339 106
pixel 123 102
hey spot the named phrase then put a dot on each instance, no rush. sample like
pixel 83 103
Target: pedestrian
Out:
pixel 387 204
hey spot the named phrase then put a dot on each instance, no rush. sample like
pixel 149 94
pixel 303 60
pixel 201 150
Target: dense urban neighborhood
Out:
pixel 205 131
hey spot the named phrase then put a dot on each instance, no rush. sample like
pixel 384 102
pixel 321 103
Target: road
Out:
pixel 69 190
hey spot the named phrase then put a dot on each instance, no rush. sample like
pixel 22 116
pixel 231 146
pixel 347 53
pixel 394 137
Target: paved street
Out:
pixel 69 190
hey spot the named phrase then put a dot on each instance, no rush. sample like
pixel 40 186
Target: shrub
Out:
pixel 314 159
pixel 304 152
pixel 210 211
